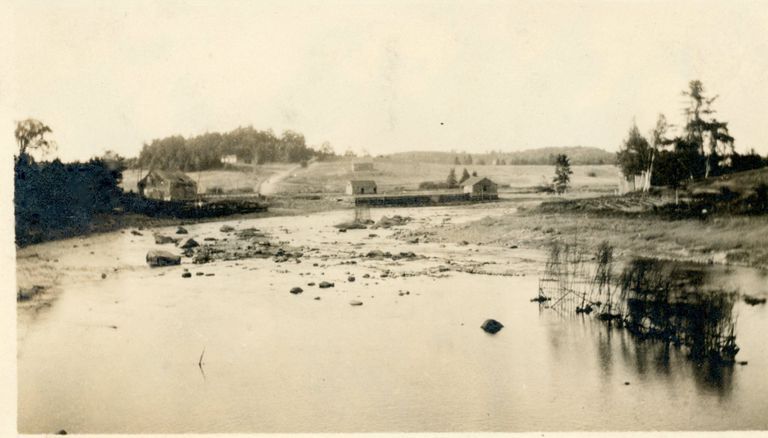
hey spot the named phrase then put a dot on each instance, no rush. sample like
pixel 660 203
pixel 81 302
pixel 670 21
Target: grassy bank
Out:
pixel 741 240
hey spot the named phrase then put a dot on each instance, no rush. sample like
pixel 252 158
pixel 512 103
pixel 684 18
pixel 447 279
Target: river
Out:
pixel 122 354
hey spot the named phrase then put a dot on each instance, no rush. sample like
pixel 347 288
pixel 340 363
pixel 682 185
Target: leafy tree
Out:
pixel 464 175
pixel 635 154
pixel 30 136
pixel 562 173
pixel 451 180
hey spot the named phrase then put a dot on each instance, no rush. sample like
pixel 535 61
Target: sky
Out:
pixel 380 76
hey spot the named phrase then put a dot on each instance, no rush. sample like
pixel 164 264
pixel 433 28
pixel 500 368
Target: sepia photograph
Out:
pixel 422 216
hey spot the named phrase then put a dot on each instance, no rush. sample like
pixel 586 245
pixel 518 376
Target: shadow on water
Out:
pixel 650 313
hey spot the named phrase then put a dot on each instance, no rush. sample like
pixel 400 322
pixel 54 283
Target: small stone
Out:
pixel 325 285
pixel 296 290
pixel 492 326
pixel 186 275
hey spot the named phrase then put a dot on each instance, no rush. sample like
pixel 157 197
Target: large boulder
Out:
pixel 157 258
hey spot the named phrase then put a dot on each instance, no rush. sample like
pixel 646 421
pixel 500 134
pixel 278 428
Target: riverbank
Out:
pixel 730 240
pixel 294 299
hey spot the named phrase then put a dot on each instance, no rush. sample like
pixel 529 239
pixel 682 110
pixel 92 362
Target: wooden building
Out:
pixel 361 187
pixel 480 186
pixel 168 186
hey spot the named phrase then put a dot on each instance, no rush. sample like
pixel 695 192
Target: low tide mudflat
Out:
pixel 122 354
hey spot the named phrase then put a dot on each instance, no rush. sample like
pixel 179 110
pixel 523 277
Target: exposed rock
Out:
pixel 162 240
pixel 181 230
pixel 325 285
pixel 296 290
pixel 317 298
pixel 157 258
pixel 186 274
pixel 190 243
pixel 355 303
pixel 351 278
pixel 492 326
pixel 136 233
pixel 396 220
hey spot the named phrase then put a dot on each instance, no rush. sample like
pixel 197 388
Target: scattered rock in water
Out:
pixel 103 276
pixel 162 240
pixel 753 301
pixel 311 283
pixel 325 285
pixel 156 258
pixel 190 243
pixel 366 275
pixel 210 274
pixel 355 303
pixel 186 275
pixel 317 298
pixel 394 221
pixel 492 326
pixel 351 278
pixel 372 235
pixel 210 239
pixel 251 233
pixel 199 273
pixel 351 225
pixel 296 290
pixel 181 230
pixel 226 229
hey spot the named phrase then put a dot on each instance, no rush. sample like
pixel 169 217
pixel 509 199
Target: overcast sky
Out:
pixel 381 75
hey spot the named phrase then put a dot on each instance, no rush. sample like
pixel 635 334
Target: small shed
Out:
pixel 362 166
pixel 168 186
pixel 361 187
pixel 479 186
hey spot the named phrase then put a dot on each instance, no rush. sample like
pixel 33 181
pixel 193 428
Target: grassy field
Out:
pixel 225 179
pixel 394 176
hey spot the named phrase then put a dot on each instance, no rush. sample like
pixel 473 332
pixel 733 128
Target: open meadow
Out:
pixel 394 176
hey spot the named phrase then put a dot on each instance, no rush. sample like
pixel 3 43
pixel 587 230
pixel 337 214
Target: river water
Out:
pixel 122 354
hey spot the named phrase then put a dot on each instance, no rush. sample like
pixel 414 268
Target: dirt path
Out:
pixel 269 186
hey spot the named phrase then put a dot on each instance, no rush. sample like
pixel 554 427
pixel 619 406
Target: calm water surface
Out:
pixel 121 355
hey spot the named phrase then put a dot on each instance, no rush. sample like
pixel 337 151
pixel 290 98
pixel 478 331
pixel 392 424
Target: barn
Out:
pixel 167 186
pixel 479 186
pixel 361 187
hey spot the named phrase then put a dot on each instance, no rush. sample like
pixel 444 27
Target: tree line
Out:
pixel 703 148
pixel 204 152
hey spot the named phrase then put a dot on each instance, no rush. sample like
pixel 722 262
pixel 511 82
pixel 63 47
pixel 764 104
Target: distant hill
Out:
pixel 579 155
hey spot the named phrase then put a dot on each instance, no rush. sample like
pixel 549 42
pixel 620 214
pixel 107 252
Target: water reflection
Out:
pixel 660 318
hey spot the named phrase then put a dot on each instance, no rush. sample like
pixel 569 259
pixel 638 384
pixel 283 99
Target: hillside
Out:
pixel 579 155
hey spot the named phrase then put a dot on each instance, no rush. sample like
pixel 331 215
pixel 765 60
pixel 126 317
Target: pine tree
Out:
pixel 562 173
pixel 451 180
pixel 464 175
